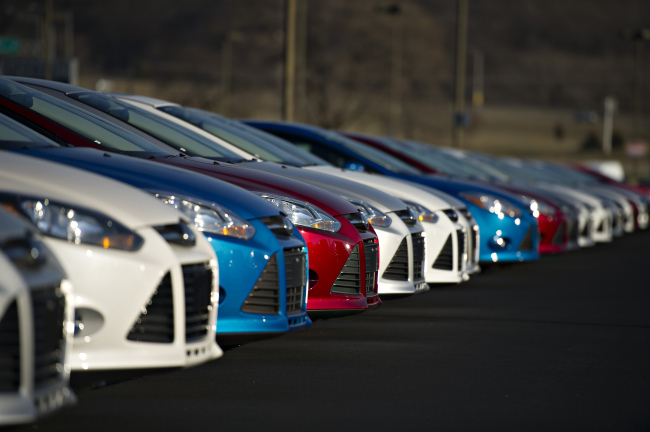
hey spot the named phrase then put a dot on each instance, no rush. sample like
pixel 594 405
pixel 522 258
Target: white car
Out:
pixel 146 282
pixel 36 321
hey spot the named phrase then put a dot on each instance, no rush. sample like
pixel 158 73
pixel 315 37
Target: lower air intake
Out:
pixel 295 261
pixel 445 260
pixel 349 280
pixel 398 268
pixel 558 238
pixel 264 298
pixel 372 264
pixel 9 350
pixel 156 322
pixel 461 246
pixel 418 256
pixel 198 300
pixel 48 306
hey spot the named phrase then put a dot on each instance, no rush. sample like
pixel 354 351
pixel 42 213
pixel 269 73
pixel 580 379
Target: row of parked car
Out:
pixel 133 229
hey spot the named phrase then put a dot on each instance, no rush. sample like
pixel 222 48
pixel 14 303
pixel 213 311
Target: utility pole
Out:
pixel 478 72
pixel 48 39
pixel 290 39
pixel 301 63
pixel 459 119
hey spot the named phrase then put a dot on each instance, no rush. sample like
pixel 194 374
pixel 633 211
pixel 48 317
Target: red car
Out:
pixel 343 262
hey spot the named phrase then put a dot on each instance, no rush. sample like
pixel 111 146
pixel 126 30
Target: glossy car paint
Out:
pixel 113 287
pixel 357 302
pixel 237 257
pixel 501 237
pixel 27 282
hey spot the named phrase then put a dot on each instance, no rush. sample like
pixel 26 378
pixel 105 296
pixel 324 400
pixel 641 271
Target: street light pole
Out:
pixel 461 57
pixel 289 93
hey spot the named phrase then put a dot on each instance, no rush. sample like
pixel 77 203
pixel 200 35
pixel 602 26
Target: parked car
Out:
pixel 145 281
pixel 36 318
pixel 509 232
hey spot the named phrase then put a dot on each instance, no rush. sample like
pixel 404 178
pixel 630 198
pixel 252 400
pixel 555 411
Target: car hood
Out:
pixel 400 189
pixel 30 176
pixel 337 185
pixel 152 176
pixel 261 181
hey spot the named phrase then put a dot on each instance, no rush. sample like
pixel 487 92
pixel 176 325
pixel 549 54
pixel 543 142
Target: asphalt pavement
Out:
pixel 559 344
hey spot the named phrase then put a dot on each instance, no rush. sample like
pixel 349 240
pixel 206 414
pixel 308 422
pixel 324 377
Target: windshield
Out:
pixel 377 156
pixel 239 138
pixel 308 159
pixel 177 136
pixel 89 126
pixel 14 135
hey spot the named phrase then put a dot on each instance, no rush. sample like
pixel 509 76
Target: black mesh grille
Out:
pixel 198 300
pixel 294 262
pixel 156 322
pixel 398 269
pixel 445 260
pixel 527 243
pixel 48 307
pixel 349 280
pixel 558 238
pixel 461 246
pixel 418 255
pixel 264 298
pixel 372 264
pixel 9 350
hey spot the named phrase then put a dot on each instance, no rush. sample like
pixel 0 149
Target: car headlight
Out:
pixel 421 213
pixel 538 207
pixel 210 218
pixel 303 214
pixel 74 224
pixel 499 206
pixel 375 216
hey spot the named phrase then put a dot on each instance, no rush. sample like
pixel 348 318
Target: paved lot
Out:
pixel 561 344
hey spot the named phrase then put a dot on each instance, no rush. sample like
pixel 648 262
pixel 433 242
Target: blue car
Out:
pixel 262 256
pixel 509 232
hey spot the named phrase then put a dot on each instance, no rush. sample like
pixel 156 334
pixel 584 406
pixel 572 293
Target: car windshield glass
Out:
pixel 80 122
pixel 307 158
pixel 239 138
pixel 14 135
pixel 177 136
pixel 377 156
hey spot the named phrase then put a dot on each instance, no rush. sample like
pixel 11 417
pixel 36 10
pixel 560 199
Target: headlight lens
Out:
pixel 493 204
pixel 421 213
pixel 375 216
pixel 303 214
pixel 74 224
pixel 210 218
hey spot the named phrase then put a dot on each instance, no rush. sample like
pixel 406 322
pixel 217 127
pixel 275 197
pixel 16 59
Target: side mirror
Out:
pixel 354 166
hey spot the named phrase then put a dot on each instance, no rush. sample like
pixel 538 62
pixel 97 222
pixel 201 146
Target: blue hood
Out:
pixel 154 176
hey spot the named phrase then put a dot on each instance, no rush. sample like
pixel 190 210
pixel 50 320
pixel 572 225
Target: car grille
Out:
pixel 558 238
pixel 461 245
pixel 277 226
pixel 295 261
pixel 372 264
pixel 9 350
pixel 358 221
pixel 406 217
pixel 264 298
pixel 527 243
pixel 445 260
pixel 349 280
pixel 48 308
pixel 156 322
pixel 418 256
pixel 398 268
pixel 572 230
pixel 198 300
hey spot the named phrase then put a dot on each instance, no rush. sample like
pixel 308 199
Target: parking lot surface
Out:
pixel 560 344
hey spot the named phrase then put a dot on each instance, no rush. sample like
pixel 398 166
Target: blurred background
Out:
pixel 555 79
